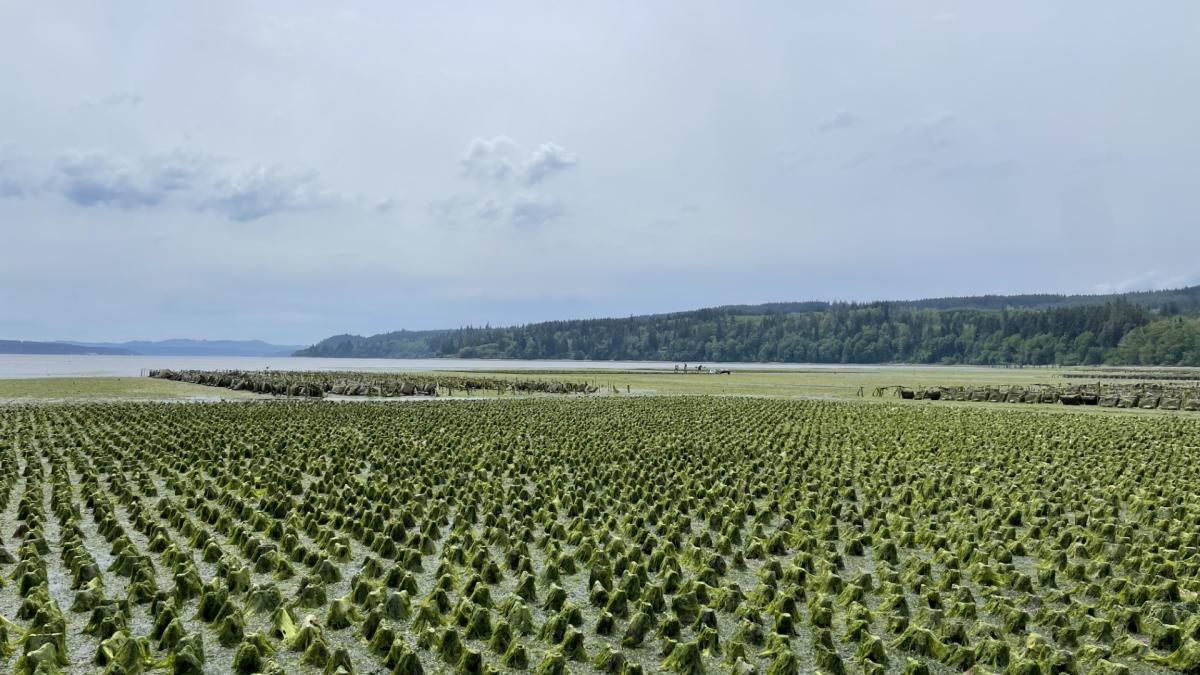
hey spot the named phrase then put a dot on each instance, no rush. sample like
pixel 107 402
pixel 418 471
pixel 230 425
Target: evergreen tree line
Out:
pixel 1115 332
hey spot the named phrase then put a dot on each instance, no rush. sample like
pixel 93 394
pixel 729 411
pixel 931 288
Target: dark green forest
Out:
pixel 1152 328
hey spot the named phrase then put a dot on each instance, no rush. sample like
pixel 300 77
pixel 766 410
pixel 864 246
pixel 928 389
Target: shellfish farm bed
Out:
pixel 596 535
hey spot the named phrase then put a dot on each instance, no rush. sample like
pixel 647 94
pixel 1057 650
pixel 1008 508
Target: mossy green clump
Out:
pixel 403 660
pixel 993 652
pixel 1106 667
pixel 709 641
pixel 1127 645
pixel 450 646
pixel 338 663
pixel 871 649
pixel 516 656
pixel 607 660
pixel 572 645
pixel 554 663
pixel 501 637
pixel 264 598
pixel 1023 666
pixel 187 657
pixel 378 633
pixel 231 630
pixel 248 658
pixel 124 654
pixel 920 641
pixel 639 626
pixel 1185 659
pixel 310 593
pixel 828 660
pixel 44 660
pixel 479 627
pixel 299 637
pixel 784 663
pixel 342 614
pixel 317 653
pixel 553 630
pixel 685 658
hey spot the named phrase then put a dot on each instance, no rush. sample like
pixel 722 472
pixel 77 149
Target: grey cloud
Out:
pixel 180 170
pixel 464 209
pixel 501 159
pixel 121 98
pixel 530 209
pixel 182 179
pixel 97 179
pixel 1152 280
pixel 549 159
pixel 983 170
pixel 859 160
pixel 386 205
pixel 491 158
pixel 936 133
pixel 1109 158
pixel 11 182
pixel 263 191
pixel 842 120
pixel 502 168
pixel 489 210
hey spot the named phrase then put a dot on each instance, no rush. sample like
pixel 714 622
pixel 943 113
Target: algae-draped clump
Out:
pixel 597 535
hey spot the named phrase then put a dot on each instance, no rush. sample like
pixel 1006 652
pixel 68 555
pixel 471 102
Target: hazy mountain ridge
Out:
pixel 52 348
pixel 175 347
pixel 188 347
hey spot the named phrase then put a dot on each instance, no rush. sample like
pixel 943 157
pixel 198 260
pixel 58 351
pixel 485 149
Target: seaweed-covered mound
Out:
pixel 610 535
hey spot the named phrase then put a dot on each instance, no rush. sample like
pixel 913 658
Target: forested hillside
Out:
pixel 1141 328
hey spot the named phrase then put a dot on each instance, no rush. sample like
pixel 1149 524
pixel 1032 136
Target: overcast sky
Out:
pixel 292 170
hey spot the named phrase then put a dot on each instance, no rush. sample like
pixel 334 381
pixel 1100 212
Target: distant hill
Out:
pixel 23 347
pixel 991 329
pixel 184 347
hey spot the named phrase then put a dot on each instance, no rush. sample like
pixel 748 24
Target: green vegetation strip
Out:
pixel 317 384
pixel 611 535
pixel 1142 396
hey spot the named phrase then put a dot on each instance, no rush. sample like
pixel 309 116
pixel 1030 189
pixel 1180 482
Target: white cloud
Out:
pixel 501 159
pixel 530 209
pixel 501 169
pixel 121 98
pixel 461 210
pixel 548 160
pixel 178 179
pixel 1150 280
pixel 386 205
pixel 12 179
pixel 843 120
pixel 490 158
pixel 98 179
pixel 267 190
pixel 936 133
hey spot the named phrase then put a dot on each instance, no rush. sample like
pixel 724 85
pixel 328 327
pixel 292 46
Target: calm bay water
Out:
pixel 37 365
